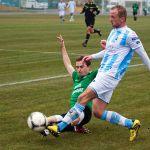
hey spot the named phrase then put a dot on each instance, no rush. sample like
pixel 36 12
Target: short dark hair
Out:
pixel 121 11
pixel 88 63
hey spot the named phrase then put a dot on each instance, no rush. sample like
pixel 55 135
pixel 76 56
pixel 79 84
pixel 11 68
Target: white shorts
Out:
pixel 61 13
pixel 71 11
pixel 103 85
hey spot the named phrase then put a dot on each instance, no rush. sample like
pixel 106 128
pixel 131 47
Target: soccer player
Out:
pixel 135 8
pixel 145 11
pixel 121 44
pixel 90 10
pixel 82 76
pixel 61 9
pixel 71 5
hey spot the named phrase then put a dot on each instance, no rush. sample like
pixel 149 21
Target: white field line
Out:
pixel 39 52
pixel 34 80
pixel 24 51
pixel 47 78
pixel 136 65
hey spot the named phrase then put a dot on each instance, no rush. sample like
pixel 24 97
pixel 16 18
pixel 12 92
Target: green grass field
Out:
pixel 30 56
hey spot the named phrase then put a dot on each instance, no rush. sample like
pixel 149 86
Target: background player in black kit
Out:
pixel 90 10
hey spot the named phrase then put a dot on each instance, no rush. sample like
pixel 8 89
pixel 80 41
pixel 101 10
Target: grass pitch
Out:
pixel 30 57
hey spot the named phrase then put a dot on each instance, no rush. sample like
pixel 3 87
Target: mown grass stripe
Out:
pixel 47 78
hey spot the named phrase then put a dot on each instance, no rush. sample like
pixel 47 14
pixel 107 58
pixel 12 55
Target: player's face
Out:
pixel 89 1
pixel 115 20
pixel 82 68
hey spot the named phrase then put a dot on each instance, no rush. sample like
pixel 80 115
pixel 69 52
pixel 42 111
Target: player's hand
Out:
pixel 87 58
pixel 103 44
pixel 94 12
pixel 61 41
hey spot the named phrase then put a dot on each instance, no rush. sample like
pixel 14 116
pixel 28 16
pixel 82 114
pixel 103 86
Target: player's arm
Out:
pixel 96 10
pixel 94 56
pixel 83 10
pixel 143 55
pixel 66 59
pixel 135 44
pixel 98 55
pixel 68 5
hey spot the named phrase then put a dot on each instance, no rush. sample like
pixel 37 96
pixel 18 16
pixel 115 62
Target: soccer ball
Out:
pixel 37 121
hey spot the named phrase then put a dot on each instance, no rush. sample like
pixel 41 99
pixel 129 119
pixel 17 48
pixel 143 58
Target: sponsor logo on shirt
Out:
pixel 77 86
pixel 137 42
pixel 79 90
pixel 135 38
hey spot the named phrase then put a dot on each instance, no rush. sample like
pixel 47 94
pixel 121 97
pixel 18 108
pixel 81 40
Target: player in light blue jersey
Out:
pixel 71 5
pixel 120 46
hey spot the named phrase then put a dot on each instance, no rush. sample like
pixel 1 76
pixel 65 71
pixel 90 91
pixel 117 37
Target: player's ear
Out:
pixel 122 19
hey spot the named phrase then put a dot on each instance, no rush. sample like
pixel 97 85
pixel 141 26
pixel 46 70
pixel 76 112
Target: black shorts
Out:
pixel 90 22
pixel 134 13
pixel 87 117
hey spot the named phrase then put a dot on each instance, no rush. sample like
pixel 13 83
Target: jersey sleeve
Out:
pixel 97 10
pixel 133 41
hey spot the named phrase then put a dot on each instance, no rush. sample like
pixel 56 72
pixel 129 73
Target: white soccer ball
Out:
pixel 37 121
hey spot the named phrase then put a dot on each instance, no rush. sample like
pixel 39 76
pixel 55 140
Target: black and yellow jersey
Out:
pixel 90 10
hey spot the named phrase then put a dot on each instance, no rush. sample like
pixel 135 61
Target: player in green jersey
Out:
pixel 135 8
pixel 82 76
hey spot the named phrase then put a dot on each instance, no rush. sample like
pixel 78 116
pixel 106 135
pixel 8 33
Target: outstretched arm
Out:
pixel 66 59
pixel 94 56
pixel 83 10
pixel 143 55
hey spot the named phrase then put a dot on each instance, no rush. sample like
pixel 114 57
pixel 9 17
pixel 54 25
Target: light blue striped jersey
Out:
pixel 120 47
pixel 71 5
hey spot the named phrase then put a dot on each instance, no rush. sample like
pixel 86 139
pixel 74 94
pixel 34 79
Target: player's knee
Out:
pixel 89 30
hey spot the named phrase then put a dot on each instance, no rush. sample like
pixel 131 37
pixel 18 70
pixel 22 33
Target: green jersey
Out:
pixel 79 85
pixel 135 8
